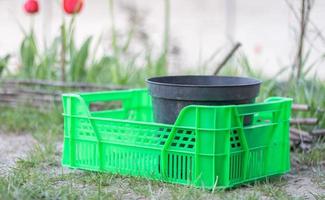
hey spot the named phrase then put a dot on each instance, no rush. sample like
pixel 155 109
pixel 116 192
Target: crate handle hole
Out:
pixel 105 105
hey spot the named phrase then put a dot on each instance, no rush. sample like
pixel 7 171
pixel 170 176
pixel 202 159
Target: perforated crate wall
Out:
pixel 208 146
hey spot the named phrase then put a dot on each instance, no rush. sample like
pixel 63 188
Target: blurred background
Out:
pixel 51 47
pixel 200 33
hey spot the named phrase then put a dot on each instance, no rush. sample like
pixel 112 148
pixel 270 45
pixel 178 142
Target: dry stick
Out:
pixel 305 146
pixel 304 16
pixel 300 107
pixel 299 138
pixel 294 137
pixel 22 91
pixel 301 133
pixel 318 132
pixel 310 22
pixel 305 121
pixel 298 61
pixel 17 92
pixel 225 60
pixel 59 84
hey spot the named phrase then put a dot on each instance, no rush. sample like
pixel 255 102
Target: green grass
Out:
pixel 274 191
pixel 40 176
pixel 318 196
pixel 313 157
pixel 319 176
pixel 27 119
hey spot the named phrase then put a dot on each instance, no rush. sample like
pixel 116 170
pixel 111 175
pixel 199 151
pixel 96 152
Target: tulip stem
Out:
pixel 63 51
pixel 113 30
pixel 167 27
pixel 164 55
pixel 116 52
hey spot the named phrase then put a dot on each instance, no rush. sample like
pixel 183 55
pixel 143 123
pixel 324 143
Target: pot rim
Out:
pixel 155 81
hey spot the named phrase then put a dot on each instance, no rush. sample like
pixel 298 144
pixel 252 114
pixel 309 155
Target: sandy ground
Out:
pixel 12 148
pixel 302 183
pixel 302 186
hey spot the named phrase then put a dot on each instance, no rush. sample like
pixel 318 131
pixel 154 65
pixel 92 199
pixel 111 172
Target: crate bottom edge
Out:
pixel 233 185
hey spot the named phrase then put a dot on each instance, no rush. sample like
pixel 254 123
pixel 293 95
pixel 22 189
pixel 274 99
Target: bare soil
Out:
pixel 12 148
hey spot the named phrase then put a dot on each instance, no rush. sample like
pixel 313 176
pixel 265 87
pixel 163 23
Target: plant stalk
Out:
pixel 166 31
pixel 63 51
pixel 304 18
pixel 113 29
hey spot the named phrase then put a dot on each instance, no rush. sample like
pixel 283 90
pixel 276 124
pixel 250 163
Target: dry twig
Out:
pixel 300 107
pixel 228 56
pixel 318 132
pixel 304 121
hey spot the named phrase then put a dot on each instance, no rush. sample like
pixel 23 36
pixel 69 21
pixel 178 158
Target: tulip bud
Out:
pixel 72 6
pixel 31 6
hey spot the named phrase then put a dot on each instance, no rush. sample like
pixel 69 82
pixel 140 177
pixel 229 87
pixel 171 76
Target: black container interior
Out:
pixel 172 93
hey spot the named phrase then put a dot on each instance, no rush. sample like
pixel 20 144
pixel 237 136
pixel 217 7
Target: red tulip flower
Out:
pixel 72 6
pixel 31 6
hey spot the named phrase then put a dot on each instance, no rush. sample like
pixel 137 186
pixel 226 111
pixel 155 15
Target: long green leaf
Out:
pixel 28 54
pixel 79 60
pixel 3 63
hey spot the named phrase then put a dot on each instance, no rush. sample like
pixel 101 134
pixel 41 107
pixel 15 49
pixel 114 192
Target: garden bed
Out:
pixel 42 94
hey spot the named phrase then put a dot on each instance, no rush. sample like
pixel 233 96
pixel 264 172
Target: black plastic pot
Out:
pixel 172 93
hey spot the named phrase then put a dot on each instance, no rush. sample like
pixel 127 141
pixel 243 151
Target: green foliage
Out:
pixel 78 59
pixel 64 60
pixel 313 157
pixel 4 63
pixel 48 63
pixel 28 55
pixel 100 70
pixel 307 90
pixel 25 118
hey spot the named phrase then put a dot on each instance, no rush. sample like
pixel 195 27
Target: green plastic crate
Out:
pixel 208 146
